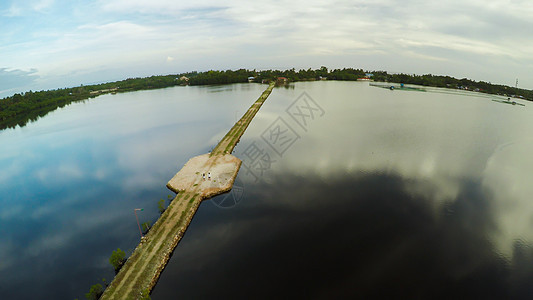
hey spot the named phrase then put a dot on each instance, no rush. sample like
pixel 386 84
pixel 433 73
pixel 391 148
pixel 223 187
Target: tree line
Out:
pixel 22 108
pixel 454 83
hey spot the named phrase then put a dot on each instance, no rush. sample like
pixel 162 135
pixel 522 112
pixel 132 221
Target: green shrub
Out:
pixel 161 206
pixel 95 292
pixel 146 227
pixel 117 259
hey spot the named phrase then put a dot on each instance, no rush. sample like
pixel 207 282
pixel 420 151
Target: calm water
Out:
pixel 346 190
pixel 70 182
pixel 387 193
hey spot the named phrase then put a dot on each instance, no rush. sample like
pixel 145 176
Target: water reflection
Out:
pixel 508 175
pixel 359 235
pixel 70 181
pixel 389 194
pixel 444 140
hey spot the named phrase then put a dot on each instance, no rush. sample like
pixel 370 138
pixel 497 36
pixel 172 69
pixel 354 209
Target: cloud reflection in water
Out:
pixel 389 194
pixel 350 236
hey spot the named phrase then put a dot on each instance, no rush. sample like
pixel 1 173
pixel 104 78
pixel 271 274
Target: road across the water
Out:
pixel 142 269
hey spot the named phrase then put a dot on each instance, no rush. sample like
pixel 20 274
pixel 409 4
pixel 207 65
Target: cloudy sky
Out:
pixel 59 43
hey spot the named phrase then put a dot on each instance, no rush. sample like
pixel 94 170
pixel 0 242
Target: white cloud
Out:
pixel 162 7
pixel 20 8
pixel 42 5
pixel 13 11
pixel 118 38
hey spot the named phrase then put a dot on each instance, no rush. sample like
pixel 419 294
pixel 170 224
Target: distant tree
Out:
pixel 161 206
pixel 117 259
pixel 22 108
pixel 95 292
pixel 323 71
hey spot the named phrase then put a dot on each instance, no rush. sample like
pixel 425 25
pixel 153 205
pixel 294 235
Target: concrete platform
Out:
pixel 223 169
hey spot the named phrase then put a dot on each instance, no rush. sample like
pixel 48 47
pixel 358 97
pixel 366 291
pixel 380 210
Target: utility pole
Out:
pixel 136 217
pixel 516 83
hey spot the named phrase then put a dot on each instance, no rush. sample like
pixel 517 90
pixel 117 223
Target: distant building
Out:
pixel 251 79
pixel 282 79
pixel 184 78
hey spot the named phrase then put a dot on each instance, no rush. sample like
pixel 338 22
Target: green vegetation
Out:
pixel 219 77
pixel 145 295
pixel 95 292
pixel 117 259
pixel 454 83
pixel 159 239
pixel 351 74
pixel 22 108
pixel 145 226
pixel 228 142
pixel 161 206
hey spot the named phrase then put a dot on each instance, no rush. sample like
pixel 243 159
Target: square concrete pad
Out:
pixel 223 169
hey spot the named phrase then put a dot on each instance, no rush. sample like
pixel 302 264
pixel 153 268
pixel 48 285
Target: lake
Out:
pixel 346 190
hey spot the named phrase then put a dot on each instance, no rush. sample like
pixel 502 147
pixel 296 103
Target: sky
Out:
pixel 48 44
